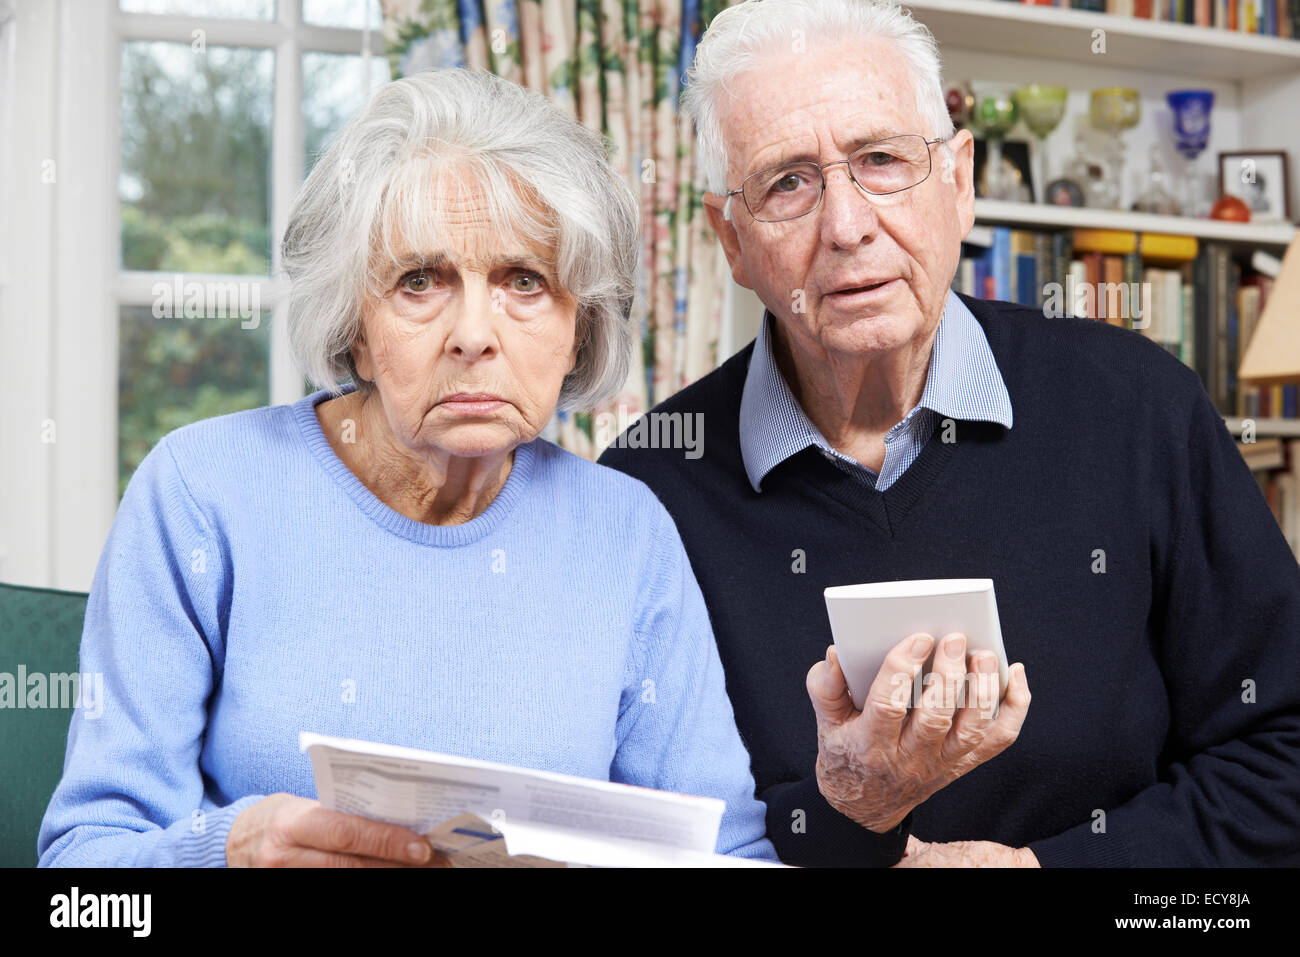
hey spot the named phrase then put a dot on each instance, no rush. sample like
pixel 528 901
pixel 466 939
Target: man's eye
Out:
pixel 879 159
pixel 787 183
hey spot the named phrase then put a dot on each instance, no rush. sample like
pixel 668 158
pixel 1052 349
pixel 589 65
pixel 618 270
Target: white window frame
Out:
pixel 61 287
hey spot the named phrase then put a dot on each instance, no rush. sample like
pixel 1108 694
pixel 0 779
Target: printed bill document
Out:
pixel 483 814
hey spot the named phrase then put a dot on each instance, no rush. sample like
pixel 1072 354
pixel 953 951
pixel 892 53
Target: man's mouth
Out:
pixel 862 288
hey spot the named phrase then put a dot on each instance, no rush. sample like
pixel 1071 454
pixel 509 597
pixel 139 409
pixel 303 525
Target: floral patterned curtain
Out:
pixel 615 66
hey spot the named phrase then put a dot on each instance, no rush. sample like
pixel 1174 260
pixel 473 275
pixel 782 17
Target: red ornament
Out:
pixel 1231 209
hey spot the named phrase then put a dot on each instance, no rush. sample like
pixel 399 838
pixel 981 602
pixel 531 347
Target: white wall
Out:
pixel 58 154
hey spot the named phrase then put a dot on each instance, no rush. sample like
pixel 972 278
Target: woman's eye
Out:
pixel 417 282
pixel 526 282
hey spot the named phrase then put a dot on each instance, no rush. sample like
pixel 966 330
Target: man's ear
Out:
pixel 962 175
pixel 727 235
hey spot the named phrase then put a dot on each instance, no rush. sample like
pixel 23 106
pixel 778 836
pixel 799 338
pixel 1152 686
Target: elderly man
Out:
pixel 883 427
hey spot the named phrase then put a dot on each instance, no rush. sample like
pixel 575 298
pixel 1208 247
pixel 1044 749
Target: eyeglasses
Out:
pixel 886 166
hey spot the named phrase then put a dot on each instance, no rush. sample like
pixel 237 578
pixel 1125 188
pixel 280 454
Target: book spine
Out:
pixel 1117 290
pixel 1172 320
pixel 1062 256
pixel 1001 263
pixel 1231 333
pixel 1094 269
pixel 1219 345
pixel 1153 308
pixel 966 277
pixel 1043 271
pixel 1027 279
pixel 1199 340
pixel 1132 266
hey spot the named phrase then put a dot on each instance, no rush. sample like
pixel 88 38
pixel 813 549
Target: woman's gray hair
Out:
pixel 742 37
pixel 543 177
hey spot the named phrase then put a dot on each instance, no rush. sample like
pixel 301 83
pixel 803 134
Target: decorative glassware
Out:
pixel 1157 197
pixel 1042 108
pixel 961 102
pixel 1191 109
pixel 994 115
pixel 1114 110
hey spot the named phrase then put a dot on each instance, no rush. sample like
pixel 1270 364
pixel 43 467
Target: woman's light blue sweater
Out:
pixel 252 587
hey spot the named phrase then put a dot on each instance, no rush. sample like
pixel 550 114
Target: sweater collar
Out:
pixel 963 382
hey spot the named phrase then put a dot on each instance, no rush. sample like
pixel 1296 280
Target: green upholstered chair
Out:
pixel 40 631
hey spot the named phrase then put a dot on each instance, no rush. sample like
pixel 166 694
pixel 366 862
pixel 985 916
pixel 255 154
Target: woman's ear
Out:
pixel 361 358
pixel 578 335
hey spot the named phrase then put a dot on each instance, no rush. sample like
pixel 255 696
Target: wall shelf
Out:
pixel 1037 215
pixel 1131 42
pixel 1267 428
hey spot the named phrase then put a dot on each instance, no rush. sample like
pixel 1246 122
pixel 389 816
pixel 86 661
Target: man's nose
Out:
pixel 848 214
pixel 473 328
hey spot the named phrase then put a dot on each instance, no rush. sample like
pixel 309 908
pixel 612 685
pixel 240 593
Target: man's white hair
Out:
pixel 540 175
pixel 744 37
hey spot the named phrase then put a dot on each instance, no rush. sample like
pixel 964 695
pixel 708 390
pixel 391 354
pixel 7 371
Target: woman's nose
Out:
pixel 474 321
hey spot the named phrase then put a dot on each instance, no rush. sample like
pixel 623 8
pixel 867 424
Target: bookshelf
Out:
pixel 1132 43
pixel 1268 428
pixel 1029 215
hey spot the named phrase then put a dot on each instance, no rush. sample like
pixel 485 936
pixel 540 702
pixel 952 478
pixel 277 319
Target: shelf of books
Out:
pixel 1199 298
pixel 1224 39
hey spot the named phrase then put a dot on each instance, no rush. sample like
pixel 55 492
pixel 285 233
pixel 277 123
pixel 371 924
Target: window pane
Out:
pixel 196 149
pixel 173 371
pixel 332 90
pixel 243 9
pixel 341 13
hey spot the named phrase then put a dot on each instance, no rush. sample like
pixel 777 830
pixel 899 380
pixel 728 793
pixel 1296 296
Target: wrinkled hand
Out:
pixel 284 830
pixel 965 854
pixel 875 765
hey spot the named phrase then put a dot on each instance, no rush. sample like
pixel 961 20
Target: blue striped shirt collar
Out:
pixel 963 382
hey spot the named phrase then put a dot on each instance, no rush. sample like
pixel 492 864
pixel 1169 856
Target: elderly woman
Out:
pixel 403 559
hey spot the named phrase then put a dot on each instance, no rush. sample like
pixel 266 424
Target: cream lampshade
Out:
pixel 1273 356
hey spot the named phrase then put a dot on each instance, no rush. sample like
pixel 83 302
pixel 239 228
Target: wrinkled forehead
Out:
pixel 827 99
pixel 469 216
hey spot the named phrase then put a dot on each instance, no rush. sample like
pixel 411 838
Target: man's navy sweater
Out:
pixel 1140 577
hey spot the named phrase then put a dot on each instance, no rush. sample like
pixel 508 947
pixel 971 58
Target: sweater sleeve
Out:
pixel 1226 629
pixel 676 730
pixel 132 793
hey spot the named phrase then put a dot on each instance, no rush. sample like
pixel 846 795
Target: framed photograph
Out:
pixel 1015 168
pixel 1259 179
pixel 1065 192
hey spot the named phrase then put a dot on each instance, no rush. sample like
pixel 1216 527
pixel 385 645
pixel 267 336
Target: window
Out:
pixel 224 106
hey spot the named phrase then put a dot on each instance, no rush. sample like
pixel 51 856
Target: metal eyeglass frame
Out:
pixel 821 169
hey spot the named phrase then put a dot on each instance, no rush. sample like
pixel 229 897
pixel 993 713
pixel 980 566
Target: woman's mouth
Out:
pixel 472 403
